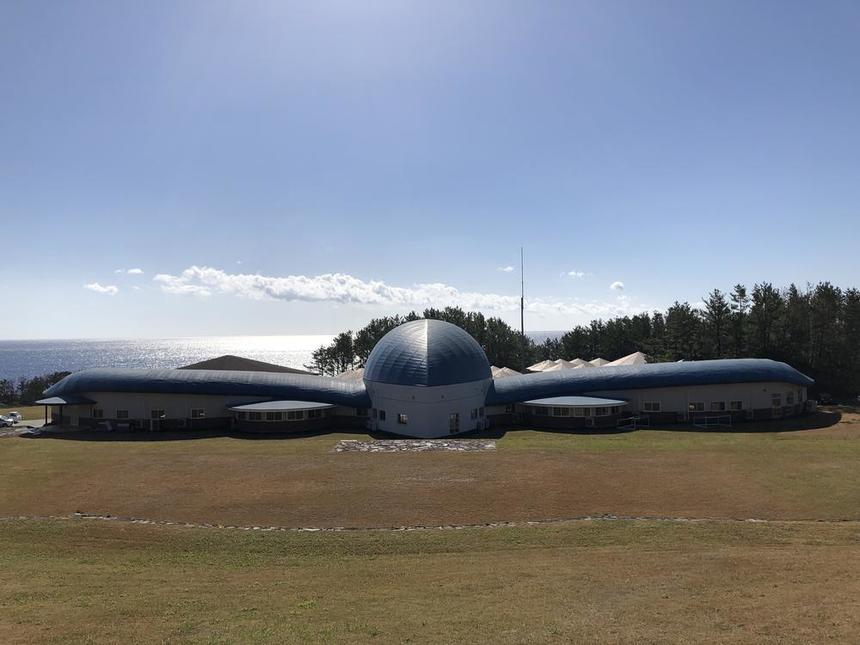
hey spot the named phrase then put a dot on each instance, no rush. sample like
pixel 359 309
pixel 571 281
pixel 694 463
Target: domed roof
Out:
pixel 427 352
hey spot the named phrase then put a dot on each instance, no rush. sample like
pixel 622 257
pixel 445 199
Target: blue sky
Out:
pixel 277 168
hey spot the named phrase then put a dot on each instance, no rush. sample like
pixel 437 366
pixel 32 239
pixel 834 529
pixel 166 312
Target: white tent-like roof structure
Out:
pixel 578 362
pixel 598 362
pixel 540 367
pixel 502 372
pixel 636 358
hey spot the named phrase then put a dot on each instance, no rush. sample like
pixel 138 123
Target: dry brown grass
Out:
pixel 595 582
pixel 587 581
pixel 807 474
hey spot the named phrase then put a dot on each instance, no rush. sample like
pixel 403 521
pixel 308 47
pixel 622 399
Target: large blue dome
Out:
pixel 427 353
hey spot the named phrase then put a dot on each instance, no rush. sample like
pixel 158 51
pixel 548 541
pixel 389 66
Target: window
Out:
pixel 736 405
pixel 481 412
pixel 776 400
pixel 255 416
pixel 243 416
pixel 315 414
pixel 718 406
pixel 616 409
pixel 696 406
pixel 561 412
pixel 274 416
pixel 402 418
pixel 474 413
pixel 156 414
pixel 586 412
pixel 509 409
pixel 601 412
pixel 98 413
pixel 454 422
pixel 789 398
pixel 579 412
pixel 122 414
pixel 651 406
pixel 540 411
pixel 382 415
pixel 373 413
pixel 198 413
pixel 295 415
pixel 361 412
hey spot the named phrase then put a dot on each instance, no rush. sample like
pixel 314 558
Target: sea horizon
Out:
pixel 27 358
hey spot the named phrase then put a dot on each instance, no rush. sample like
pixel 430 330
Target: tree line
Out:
pixel 815 329
pixel 27 390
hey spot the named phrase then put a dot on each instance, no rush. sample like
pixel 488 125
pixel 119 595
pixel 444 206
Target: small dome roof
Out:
pixel 427 353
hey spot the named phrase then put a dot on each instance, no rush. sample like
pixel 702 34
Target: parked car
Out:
pixel 15 416
pixel 6 422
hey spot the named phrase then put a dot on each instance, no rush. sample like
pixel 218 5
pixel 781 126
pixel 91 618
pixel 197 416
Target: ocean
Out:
pixel 28 358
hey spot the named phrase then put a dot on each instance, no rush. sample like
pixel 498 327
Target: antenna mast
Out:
pixel 522 295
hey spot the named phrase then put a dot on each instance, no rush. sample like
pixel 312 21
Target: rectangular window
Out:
pixel 156 414
pixel 789 398
pixel 561 412
pixel 373 412
pixel 274 416
pixel 474 413
pixel 481 412
pixel 243 416
pixel 198 413
pixel 402 418
pixel 736 405
pixel 718 406
pixel 454 422
pixel 98 413
pixel 616 409
pixel 255 416
pixel 586 412
pixel 382 415
pixel 295 415
pixel 314 414
pixel 540 411
pixel 509 409
pixel 696 406
pixel 651 406
pixel 601 412
pixel 579 412
pixel 776 400
pixel 122 414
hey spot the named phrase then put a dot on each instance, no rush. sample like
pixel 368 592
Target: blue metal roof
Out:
pixel 282 386
pixel 515 389
pixel 427 353
pixel 576 402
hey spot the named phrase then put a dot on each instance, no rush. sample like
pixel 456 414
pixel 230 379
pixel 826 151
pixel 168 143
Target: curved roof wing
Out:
pixel 542 385
pixel 282 386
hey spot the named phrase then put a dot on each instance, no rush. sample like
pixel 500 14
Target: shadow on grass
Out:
pixel 815 421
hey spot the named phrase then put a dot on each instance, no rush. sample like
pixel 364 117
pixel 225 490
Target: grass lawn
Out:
pixel 595 582
pixel 28 412
pixel 785 580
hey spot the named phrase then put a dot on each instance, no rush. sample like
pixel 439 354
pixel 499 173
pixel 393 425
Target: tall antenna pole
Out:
pixel 522 295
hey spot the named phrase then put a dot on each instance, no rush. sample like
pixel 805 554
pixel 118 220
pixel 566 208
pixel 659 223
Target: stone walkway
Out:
pixel 415 445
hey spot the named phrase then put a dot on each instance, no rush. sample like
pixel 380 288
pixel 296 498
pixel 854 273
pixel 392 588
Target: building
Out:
pixel 427 378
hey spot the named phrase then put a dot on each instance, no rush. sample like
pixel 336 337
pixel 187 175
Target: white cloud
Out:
pixel 343 288
pixel 108 289
pixel 617 286
pixel 135 271
pixel 119 270
pixel 506 269
pixel 136 288
pixel 578 275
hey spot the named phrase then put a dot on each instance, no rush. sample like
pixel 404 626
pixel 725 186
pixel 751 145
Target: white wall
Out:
pixel 755 396
pixel 428 408
pixel 175 406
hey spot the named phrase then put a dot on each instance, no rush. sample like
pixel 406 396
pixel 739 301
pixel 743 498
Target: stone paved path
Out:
pixel 415 445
